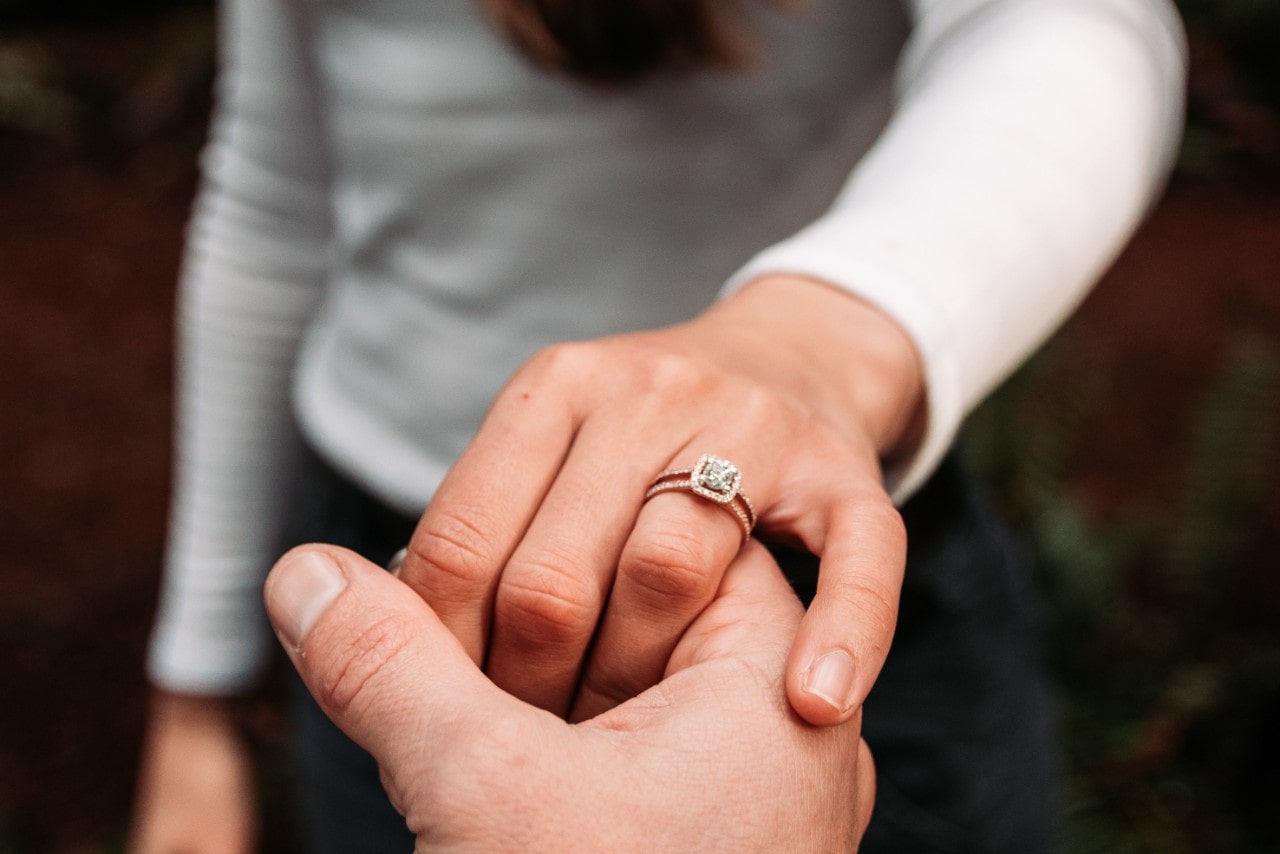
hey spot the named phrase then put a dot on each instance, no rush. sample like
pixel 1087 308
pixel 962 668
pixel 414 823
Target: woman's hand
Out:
pixel 195 786
pixel 541 554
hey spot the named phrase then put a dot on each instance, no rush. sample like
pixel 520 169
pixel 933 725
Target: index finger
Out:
pixel 483 507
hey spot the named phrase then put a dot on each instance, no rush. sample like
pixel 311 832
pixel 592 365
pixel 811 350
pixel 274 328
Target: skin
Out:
pixel 573 592
pixel 710 759
pixel 195 789
pixel 541 556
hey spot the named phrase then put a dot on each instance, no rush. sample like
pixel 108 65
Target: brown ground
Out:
pixel 1203 272
pixel 87 260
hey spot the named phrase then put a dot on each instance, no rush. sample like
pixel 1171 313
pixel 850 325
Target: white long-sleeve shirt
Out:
pixel 397 211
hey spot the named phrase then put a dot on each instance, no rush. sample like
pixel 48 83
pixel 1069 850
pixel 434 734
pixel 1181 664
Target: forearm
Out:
pixel 1029 138
pixel 235 450
pixel 253 275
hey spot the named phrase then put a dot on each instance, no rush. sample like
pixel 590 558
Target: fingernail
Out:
pixel 830 679
pixel 303 585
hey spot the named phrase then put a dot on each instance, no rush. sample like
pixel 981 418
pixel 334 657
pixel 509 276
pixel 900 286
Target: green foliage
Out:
pixel 1233 116
pixel 111 93
pixel 1169 672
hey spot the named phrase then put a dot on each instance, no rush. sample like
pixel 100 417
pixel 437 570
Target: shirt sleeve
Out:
pixel 253 273
pixel 1028 140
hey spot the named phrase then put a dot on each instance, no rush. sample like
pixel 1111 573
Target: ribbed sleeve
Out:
pixel 1029 135
pixel 253 274
pixel 1029 138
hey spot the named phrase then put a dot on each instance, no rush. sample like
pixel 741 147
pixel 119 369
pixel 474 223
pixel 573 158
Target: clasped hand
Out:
pixel 710 759
pixel 540 554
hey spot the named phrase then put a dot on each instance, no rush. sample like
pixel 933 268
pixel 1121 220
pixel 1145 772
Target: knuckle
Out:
pixel 546 605
pixel 567 361
pixel 876 610
pixel 881 516
pixel 674 566
pixel 360 664
pixel 454 550
pixel 756 405
pixel 867 513
pixel 673 376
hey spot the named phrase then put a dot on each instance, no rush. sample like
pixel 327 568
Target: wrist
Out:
pixel 191 710
pixel 850 360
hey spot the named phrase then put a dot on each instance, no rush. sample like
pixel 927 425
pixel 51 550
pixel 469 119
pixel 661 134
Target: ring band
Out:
pixel 715 479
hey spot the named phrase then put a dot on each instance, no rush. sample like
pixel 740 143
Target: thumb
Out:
pixel 846 632
pixel 379 662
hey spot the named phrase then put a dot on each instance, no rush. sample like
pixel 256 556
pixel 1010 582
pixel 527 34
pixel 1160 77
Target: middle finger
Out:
pixel 555 585
pixel 668 573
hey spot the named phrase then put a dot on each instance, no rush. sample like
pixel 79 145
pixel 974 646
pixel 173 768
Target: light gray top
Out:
pixel 398 211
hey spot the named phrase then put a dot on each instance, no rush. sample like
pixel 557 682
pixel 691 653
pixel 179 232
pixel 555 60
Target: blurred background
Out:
pixel 1138 452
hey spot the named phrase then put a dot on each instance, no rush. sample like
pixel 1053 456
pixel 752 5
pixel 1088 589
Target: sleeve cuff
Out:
pixel 851 255
pixel 213 641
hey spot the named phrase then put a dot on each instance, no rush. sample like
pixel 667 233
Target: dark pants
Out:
pixel 960 721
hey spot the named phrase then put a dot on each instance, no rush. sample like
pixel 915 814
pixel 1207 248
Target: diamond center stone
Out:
pixel 718 475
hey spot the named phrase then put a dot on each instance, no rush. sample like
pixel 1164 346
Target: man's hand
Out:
pixel 711 758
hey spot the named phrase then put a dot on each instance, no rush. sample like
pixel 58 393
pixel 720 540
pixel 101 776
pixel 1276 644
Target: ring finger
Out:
pixel 686 535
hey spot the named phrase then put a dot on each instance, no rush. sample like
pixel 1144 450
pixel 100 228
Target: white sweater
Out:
pixel 398 211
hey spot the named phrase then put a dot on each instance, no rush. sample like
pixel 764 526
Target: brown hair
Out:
pixel 616 41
